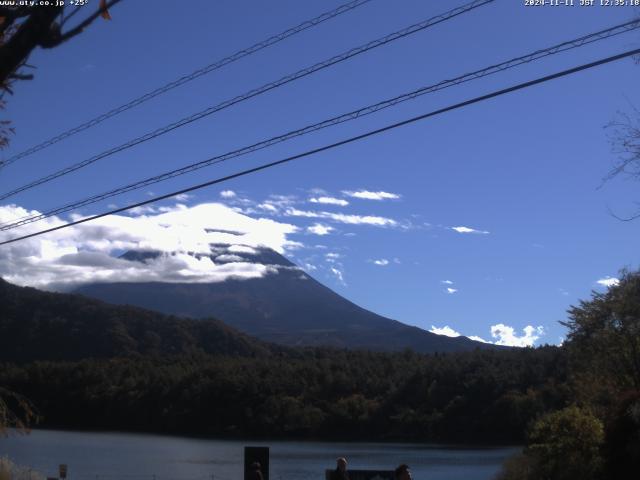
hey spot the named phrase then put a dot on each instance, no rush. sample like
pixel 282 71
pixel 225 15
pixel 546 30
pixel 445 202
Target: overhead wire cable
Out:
pixel 274 39
pixel 255 92
pixel 345 117
pixel 340 143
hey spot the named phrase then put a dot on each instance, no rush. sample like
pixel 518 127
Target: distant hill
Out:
pixel 288 307
pixel 36 325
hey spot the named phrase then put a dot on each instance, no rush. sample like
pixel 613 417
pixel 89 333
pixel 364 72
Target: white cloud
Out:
pixel 382 262
pixel 450 332
pixel 368 195
pixel 329 201
pixel 320 229
pixel 608 282
pixel 229 258
pixel 183 197
pixel 469 230
pixel 446 282
pixel 339 275
pixel 135 211
pixel 446 330
pixel 85 253
pixel 451 291
pixel 342 218
pixel 227 194
pixel 332 257
pixel 282 200
pixel 477 339
pixel 268 207
pixel 242 249
pixel 506 335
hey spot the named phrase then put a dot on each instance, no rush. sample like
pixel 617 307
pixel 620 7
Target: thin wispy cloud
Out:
pixel 339 275
pixel 343 218
pixel 383 262
pixel 332 257
pixel 446 282
pixel 369 195
pixel 269 207
pixel 330 201
pixel 463 229
pixel 183 197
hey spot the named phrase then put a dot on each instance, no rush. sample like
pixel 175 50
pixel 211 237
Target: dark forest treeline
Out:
pixel 478 397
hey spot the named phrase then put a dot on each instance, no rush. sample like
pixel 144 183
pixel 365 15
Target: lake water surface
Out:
pixel 124 456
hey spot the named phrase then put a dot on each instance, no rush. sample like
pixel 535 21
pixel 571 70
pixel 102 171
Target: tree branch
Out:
pixel 27 37
pixel 63 37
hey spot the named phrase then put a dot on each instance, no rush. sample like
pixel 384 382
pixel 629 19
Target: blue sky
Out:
pixel 525 168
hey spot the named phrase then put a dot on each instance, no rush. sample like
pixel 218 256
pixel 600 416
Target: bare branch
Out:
pixel 54 41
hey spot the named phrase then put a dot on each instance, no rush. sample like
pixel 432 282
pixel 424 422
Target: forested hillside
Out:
pixel 37 325
pixel 86 364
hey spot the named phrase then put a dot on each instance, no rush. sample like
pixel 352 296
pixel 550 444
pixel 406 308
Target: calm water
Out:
pixel 110 456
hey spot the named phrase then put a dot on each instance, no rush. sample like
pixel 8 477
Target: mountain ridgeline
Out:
pixel 288 308
pixel 37 325
pixel 86 364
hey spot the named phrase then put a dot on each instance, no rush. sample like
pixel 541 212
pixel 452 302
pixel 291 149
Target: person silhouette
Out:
pixel 254 471
pixel 402 472
pixel 340 473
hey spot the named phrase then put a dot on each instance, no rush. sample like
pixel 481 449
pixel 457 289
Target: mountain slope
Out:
pixel 36 325
pixel 288 307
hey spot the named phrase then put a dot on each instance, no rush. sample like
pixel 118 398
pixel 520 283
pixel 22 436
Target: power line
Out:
pixel 258 91
pixel 340 143
pixel 345 117
pixel 187 78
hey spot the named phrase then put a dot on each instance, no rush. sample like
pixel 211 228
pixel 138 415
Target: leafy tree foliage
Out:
pixel 604 342
pixel 599 437
pixel 16 411
pixel 566 444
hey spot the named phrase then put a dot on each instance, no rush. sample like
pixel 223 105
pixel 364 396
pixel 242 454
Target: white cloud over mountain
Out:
pixel 88 252
pixel 446 330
